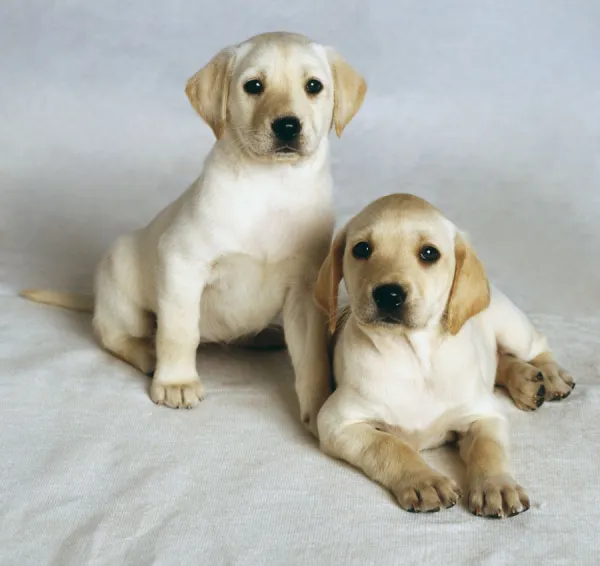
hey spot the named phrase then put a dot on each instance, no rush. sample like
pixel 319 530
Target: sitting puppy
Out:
pixel 416 354
pixel 245 242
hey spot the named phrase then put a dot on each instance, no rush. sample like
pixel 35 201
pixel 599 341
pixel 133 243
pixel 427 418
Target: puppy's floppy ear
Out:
pixel 328 283
pixel 208 90
pixel 349 89
pixel 470 293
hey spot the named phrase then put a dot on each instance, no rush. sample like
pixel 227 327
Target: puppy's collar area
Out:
pixel 423 344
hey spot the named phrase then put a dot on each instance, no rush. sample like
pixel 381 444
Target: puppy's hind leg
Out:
pixel 137 351
pixel 125 329
pixel 558 382
pixel 516 335
pixel 523 381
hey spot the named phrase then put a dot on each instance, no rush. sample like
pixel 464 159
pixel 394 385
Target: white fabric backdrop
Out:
pixel 489 109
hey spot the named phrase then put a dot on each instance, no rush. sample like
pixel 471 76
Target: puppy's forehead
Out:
pixel 405 217
pixel 278 53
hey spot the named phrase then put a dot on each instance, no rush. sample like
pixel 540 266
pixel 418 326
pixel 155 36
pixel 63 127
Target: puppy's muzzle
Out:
pixel 286 130
pixel 389 299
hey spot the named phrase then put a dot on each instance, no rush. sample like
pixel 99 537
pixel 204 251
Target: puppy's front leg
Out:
pixel 305 329
pixel 492 490
pixel 391 462
pixel 179 290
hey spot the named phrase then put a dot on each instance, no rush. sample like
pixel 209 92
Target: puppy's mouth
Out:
pixel 405 317
pixel 389 319
pixel 384 319
pixel 401 317
pixel 286 149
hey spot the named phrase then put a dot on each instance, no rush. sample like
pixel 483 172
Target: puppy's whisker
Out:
pixel 241 146
pixel 243 130
pixel 240 142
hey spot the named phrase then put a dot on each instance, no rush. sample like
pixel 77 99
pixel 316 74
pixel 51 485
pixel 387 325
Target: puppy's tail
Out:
pixel 71 301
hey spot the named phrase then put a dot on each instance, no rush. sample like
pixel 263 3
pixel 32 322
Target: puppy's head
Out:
pixel 405 267
pixel 276 95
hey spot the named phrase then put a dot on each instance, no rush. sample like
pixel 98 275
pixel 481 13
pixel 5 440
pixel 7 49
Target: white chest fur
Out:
pixel 267 211
pixel 414 382
pixel 259 229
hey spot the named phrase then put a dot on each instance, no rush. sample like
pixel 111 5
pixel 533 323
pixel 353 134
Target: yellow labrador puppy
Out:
pixel 416 354
pixel 245 242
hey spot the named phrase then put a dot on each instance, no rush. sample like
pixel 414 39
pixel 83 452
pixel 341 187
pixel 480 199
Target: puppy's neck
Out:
pixel 422 341
pixel 424 344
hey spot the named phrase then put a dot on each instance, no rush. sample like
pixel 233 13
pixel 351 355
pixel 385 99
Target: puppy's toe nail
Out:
pixel 572 386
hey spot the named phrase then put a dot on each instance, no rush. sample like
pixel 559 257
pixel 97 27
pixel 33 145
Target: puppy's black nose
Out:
pixel 389 297
pixel 286 128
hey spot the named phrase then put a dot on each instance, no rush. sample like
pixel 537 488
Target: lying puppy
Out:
pixel 416 354
pixel 245 242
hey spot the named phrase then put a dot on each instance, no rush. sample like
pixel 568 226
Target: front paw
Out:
pixel 557 381
pixel 177 395
pixel 427 493
pixel 496 497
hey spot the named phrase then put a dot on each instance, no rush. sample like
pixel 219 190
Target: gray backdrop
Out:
pixel 488 108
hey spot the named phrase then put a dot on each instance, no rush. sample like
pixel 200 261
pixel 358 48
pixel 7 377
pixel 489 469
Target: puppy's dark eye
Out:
pixel 362 250
pixel 429 254
pixel 313 86
pixel 254 87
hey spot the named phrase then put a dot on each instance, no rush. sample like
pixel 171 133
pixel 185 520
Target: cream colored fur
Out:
pixel 243 245
pixel 416 382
